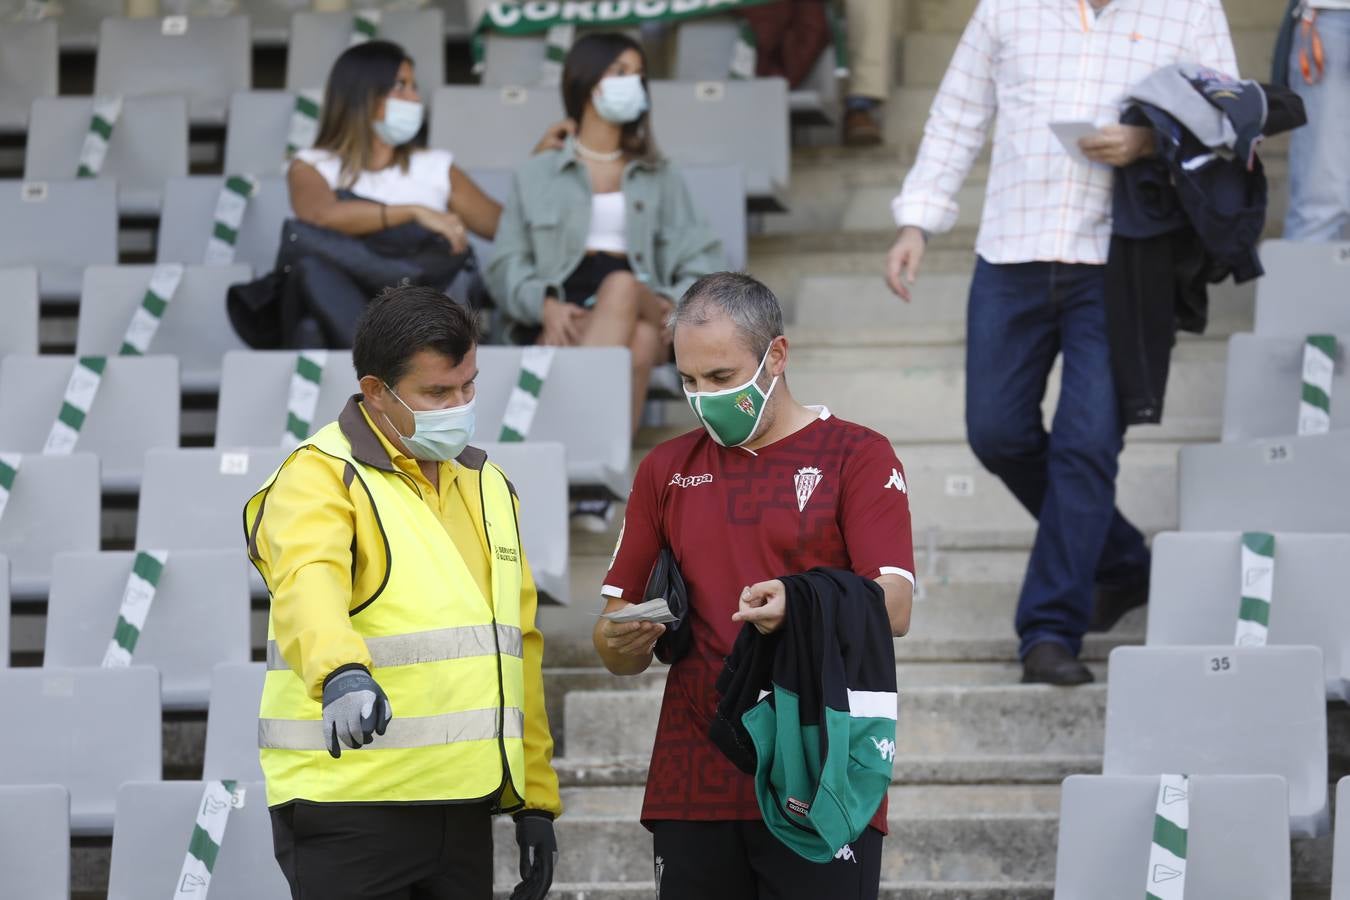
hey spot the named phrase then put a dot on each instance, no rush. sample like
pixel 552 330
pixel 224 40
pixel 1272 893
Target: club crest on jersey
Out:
pixel 807 480
pixel 745 404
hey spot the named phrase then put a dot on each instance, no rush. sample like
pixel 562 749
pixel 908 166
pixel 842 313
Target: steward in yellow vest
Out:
pixel 403 704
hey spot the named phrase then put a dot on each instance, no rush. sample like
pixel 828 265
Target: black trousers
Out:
pixel 437 851
pixel 744 861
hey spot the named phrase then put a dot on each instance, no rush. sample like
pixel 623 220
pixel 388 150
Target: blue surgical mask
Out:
pixel 402 120
pixel 438 434
pixel 620 98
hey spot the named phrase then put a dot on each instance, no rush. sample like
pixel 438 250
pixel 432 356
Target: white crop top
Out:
pixel 608 219
pixel 426 183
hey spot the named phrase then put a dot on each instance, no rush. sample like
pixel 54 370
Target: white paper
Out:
pixel 657 611
pixel 1070 133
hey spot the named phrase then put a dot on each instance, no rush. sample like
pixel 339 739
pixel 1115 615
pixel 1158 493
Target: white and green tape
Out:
pixel 365 26
pixel 524 400
pixel 1258 585
pixel 557 41
pixel 145 320
pixel 304 127
pixel 1167 855
pixel 839 34
pixel 230 207
pixel 94 151
pixel 303 398
pixel 1319 364
pixel 75 405
pixel 208 834
pixel 137 597
pixel 744 54
pixel 9 470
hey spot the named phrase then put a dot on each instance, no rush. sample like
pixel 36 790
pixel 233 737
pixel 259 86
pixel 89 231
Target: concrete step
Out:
pixel 926 54
pixel 952 15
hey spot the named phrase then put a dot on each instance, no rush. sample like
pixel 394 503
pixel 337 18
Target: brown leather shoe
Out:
pixel 1051 663
pixel 861 129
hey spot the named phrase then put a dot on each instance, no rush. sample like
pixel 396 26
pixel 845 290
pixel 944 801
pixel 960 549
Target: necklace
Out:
pixel 595 156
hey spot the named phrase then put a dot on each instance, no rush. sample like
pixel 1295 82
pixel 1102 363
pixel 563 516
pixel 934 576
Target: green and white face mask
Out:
pixel 732 416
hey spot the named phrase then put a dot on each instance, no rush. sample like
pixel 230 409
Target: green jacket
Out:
pixel 541 238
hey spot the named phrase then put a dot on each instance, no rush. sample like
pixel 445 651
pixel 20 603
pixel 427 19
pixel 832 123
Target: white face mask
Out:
pixel 438 434
pixel 402 120
pixel 620 98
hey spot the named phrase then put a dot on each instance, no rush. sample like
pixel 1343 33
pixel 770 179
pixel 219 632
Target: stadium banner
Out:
pixel 1167 855
pixel 1258 586
pixel 303 398
pixel 9 470
pixel 230 207
pixel 107 110
pixel 516 18
pixel 524 400
pixel 85 378
pixel 208 834
pixel 136 600
pixel 145 320
pixel 1319 364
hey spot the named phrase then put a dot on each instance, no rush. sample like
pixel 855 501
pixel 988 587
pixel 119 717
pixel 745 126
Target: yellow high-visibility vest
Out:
pixel 449 658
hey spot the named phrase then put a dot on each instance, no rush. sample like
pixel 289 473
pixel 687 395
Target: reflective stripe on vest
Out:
pixel 429 646
pixel 449 657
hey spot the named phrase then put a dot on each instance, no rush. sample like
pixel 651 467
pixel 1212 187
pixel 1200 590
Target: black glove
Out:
pixel 538 854
pixel 355 709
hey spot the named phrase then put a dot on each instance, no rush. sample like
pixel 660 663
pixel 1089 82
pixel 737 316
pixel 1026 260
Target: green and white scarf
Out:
pixel 1167 855
pixel 1258 586
pixel 304 126
pixel 85 378
pixel 208 834
pixel 9 470
pixel 303 397
pixel 137 597
pixel 230 206
pixel 94 151
pixel 365 26
pixel 164 281
pixel 1319 366
pixel 524 400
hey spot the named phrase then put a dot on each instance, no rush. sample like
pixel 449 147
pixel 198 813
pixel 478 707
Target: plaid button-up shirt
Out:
pixel 1034 62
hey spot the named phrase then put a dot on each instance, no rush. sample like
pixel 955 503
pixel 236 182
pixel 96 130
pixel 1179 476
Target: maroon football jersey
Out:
pixel 832 494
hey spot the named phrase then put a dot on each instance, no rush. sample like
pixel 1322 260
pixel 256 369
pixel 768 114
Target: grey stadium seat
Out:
pixel 189 211
pixel 208 61
pixel 270 20
pixel 1197 580
pixel 260 122
pixel 538 470
pixel 28 70
pixel 582 406
pixel 78 23
pixel 491 127
pixel 1265 382
pixel 90 729
pixel 135 409
pixel 728 123
pixel 513 60
pixel 1292 298
pixel 60 227
pixel 1237 838
pixel 1273 484
pixel 195 327
pixel 155 823
pixel 35 841
pixel 1340 872
pixel 194 499
pixel 232 722
pixel 199 617
pixel 1223 710
pixel 149 144
pixel 318 39
pixel 19 304
pixel 254 393
pixel 53 506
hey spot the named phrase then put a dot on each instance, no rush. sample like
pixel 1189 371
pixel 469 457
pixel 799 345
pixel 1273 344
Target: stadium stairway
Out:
pixel 975 798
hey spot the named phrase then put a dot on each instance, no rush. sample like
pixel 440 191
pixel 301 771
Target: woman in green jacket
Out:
pixel 600 238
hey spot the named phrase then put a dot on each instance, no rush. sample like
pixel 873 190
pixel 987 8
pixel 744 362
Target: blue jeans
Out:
pixel 1021 317
pixel 1319 152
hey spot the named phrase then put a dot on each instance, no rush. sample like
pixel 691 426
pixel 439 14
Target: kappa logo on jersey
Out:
pixel 846 853
pixel 807 480
pixel 897 481
pixel 745 404
pixel 886 747
pixel 688 481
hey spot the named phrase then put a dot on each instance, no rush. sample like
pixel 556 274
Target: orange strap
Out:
pixel 1311 56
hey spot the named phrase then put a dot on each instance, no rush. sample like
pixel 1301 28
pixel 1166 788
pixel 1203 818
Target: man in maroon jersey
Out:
pixel 767 488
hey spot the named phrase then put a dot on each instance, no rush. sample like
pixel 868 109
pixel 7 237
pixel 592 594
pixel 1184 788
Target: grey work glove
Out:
pixel 538 854
pixel 355 709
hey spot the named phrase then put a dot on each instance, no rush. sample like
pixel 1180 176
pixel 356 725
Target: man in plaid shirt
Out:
pixel 1038 289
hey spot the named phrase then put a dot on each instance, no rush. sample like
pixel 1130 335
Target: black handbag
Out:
pixel 667 583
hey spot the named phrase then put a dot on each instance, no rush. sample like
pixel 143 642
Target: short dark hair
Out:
pixel 747 301
pixel 585 65
pixel 405 320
